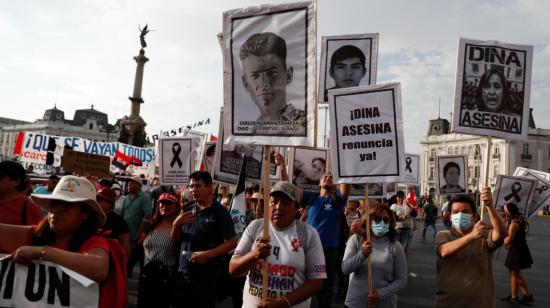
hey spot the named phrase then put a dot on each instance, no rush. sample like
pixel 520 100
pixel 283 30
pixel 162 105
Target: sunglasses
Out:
pixel 378 219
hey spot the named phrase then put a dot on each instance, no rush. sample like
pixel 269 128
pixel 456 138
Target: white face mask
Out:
pixel 461 221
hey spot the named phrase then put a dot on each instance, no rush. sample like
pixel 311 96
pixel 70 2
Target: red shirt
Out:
pixel 111 288
pixel 11 212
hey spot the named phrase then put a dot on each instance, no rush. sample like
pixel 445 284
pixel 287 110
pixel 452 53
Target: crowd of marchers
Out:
pixel 182 243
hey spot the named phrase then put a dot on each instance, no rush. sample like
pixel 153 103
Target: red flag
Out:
pixel 411 194
pixel 19 143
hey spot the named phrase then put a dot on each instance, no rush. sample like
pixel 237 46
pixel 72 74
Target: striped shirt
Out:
pixel 158 246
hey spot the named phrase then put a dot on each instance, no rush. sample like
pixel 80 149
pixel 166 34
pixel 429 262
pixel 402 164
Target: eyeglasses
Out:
pixel 378 219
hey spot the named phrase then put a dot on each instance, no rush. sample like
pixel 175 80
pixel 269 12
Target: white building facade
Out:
pixel 505 156
pixel 87 123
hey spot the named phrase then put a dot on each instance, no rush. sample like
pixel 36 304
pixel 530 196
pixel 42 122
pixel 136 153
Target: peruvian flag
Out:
pixel 122 161
pixel 411 195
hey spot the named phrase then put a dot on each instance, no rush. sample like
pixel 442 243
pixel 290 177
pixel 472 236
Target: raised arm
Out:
pixel 280 161
pixel 499 227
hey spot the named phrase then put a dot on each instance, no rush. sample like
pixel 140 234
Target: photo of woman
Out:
pixel 452 177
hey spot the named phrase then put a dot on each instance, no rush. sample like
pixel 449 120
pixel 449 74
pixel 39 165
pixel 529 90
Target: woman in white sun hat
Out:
pixel 67 236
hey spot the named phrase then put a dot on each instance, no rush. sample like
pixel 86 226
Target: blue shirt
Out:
pixel 325 217
pixel 133 211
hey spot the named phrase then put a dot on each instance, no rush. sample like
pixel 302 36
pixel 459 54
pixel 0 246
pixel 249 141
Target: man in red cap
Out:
pixel 115 226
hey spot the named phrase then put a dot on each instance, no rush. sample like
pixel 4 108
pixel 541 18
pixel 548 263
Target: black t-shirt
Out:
pixel 212 227
pixel 116 224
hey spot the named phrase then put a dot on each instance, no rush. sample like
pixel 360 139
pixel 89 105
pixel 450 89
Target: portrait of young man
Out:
pixel 347 67
pixel 265 77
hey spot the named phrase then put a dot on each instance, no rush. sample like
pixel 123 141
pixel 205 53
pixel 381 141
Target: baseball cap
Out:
pixel 258 196
pixel 286 188
pixel 107 194
pixel 168 197
pixel 72 189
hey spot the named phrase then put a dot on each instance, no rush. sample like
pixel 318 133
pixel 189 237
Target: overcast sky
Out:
pixel 78 53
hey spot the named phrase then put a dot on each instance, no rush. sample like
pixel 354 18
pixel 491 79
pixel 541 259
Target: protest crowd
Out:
pixel 269 218
pixel 181 240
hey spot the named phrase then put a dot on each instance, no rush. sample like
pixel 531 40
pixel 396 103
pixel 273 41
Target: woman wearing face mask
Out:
pixel 389 265
pixel 519 256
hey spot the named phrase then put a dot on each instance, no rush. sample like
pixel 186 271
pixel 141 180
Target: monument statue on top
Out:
pixel 132 128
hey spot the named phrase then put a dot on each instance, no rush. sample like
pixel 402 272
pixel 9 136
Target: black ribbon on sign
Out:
pixel 516 187
pixel 176 150
pixel 408 162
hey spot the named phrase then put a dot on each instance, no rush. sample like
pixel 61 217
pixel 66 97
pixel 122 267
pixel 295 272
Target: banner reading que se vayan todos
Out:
pixel 367 134
pixel 270 74
pixel 43 284
pixel 34 147
pixel 493 85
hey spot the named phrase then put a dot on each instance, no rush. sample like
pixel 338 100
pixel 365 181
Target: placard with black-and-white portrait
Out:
pixel 175 155
pixel 228 159
pixel 452 174
pixel 307 166
pixel 376 190
pixel 269 74
pixel 209 156
pixel 493 83
pixel 515 189
pixel 347 61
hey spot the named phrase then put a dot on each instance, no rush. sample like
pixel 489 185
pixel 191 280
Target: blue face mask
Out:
pixel 379 229
pixel 461 221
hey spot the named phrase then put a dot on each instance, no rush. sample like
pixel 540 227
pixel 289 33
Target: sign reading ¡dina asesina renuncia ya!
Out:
pixel 367 134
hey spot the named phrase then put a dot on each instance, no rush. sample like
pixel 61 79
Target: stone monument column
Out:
pixel 132 128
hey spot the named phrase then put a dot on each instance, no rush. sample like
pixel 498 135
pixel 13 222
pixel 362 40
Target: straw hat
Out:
pixel 73 189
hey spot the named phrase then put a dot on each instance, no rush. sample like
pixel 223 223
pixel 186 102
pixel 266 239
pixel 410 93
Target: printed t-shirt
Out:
pixel 212 227
pixel 133 211
pixel 11 212
pixel 401 210
pixel 289 265
pixel 465 278
pixel 325 217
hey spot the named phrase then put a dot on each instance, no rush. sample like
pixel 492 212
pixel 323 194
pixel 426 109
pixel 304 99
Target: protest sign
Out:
pixel 176 162
pixel 347 61
pixel 269 74
pixel 366 134
pixel 521 171
pixel 199 143
pixel 307 166
pixel 35 147
pixel 519 190
pixel 208 157
pixel 411 165
pixel 44 284
pixel 451 174
pixel 542 192
pixel 376 191
pixel 86 163
pixel 228 160
pixel 493 83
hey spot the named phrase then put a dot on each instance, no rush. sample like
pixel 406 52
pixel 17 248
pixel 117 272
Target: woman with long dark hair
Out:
pixel 161 255
pixel 68 236
pixel 519 256
pixel 389 265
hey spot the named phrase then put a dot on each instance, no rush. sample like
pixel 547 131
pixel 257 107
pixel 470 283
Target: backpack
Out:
pixel 115 289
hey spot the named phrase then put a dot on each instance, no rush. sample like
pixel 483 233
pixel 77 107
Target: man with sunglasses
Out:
pixel 324 210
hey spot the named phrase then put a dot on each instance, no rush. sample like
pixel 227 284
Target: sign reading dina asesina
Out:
pixel 367 131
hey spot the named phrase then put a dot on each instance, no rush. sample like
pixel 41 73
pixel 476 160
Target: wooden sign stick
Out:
pixel 486 172
pixel 267 214
pixel 367 216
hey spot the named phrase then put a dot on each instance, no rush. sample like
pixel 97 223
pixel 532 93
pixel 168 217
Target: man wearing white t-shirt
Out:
pixel 293 251
pixel 404 222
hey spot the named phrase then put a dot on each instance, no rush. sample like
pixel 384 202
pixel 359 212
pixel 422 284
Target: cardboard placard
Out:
pixel 85 163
